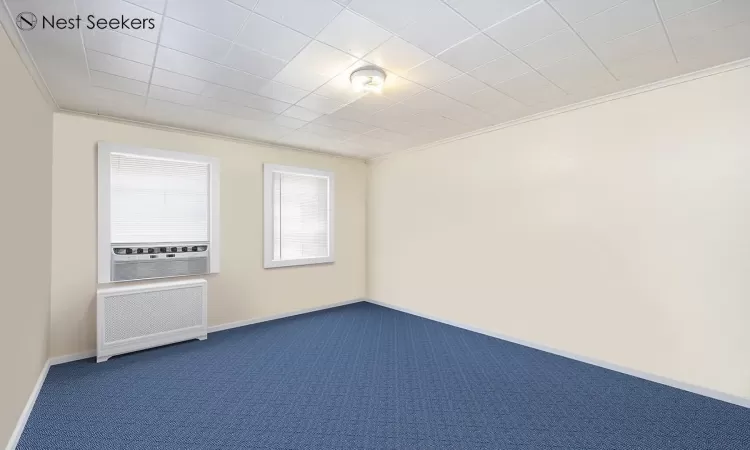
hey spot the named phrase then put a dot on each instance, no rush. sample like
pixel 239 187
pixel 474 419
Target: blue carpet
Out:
pixel 366 377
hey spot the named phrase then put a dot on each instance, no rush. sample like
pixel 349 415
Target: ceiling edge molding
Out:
pixel 189 131
pixel 679 79
pixel 8 24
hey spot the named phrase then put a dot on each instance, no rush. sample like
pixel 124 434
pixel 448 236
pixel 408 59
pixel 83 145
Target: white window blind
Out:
pixel 299 211
pixel 300 216
pixel 155 200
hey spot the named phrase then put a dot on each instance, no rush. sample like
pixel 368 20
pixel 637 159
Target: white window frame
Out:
pixel 104 152
pixel 268 261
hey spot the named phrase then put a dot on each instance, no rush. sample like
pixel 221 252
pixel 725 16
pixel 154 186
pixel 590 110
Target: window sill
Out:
pixel 298 262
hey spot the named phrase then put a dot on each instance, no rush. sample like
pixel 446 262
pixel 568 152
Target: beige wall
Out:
pixel 243 290
pixel 620 232
pixel 26 202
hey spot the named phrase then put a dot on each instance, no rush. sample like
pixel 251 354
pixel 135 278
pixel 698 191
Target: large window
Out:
pixel 158 213
pixel 298 222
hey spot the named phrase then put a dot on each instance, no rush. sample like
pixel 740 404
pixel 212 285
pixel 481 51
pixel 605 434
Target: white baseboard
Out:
pixel 16 436
pixel 212 329
pixel 242 323
pixel 706 392
pixel 70 358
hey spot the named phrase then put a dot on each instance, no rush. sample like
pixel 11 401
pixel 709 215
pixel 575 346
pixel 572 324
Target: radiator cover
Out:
pixel 148 315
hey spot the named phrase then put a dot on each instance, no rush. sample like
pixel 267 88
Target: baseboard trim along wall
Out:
pixel 16 436
pixel 706 392
pixel 242 323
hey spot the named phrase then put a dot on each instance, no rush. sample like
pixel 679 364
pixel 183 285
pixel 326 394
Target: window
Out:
pixel 298 222
pixel 158 213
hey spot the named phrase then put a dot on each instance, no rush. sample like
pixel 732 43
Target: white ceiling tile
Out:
pixel 353 34
pixel 282 92
pixel 472 53
pixel 300 78
pixel 289 122
pixel 118 66
pixel 247 4
pixel 315 65
pixel 119 104
pixel 577 10
pixel 431 73
pixel 552 48
pixel 179 62
pixel 467 117
pixel 328 132
pixel 173 80
pixel 532 89
pixel 320 104
pixel 528 26
pixel 388 136
pixel 492 101
pixel 120 45
pixel 500 70
pixel 461 87
pixel 625 18
pixel 341 124
pixel 633 44
pixel 397 88
pixel 172 95
pixel 577 73
pixel 393 15
pixel 253 62
pixel 271 38
pixel 351 113
pixel 226 94
pixel 646 67
pixel 109 81
pixel 193 41
pixel 232 109
pixel 485 13
pixel 116 9
pixel 424 31
pixel 371 103
pixel 307 140
pixel 156 6
pixel 672 8
pixel 715 16
pixel 429 100
pixel 297 112
pixel 306 16
pixel 219 17
pixel 236 79
pixel 717 47
pixel 397 56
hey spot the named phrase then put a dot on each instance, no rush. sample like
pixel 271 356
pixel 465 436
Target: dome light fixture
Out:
pixel 368 79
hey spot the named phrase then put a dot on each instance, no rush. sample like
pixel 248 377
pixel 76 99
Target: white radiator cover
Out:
pixel 137 317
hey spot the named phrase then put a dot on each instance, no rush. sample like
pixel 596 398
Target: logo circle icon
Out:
pixel 26 21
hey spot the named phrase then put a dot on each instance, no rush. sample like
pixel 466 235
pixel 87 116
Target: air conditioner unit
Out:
pixel 138 317
pixel 146 261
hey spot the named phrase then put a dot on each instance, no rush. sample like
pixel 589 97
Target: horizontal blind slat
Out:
pixel 158 200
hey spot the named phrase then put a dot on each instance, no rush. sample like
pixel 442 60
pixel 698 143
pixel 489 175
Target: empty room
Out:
pixel 375 224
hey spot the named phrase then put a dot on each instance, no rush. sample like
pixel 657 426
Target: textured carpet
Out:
pixel 366 377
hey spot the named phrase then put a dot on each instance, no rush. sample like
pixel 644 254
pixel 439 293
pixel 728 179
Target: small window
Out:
pixel 298 222
pixel 158 213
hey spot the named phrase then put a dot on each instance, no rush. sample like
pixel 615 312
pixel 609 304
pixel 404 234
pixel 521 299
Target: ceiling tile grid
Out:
pixel 278 70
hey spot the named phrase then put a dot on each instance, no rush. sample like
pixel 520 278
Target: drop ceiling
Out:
pixel 278 70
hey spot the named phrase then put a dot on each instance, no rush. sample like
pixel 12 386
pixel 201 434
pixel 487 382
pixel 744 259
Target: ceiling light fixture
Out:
pixel 368 79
